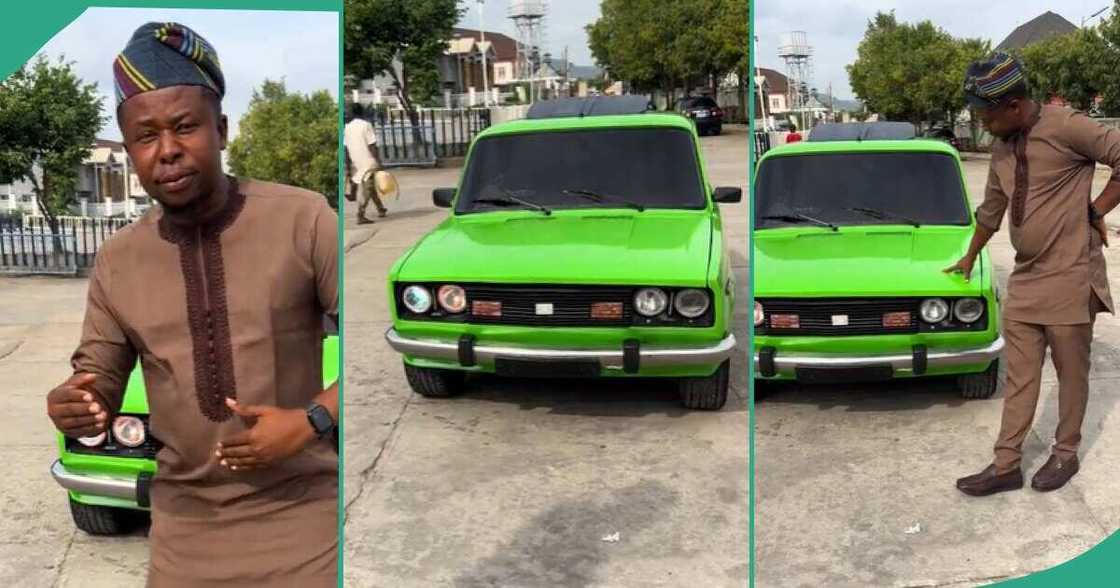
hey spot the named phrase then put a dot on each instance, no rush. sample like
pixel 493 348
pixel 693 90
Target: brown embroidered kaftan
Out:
pixel 230 308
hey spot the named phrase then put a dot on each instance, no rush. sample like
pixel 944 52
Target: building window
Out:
pixel 775 103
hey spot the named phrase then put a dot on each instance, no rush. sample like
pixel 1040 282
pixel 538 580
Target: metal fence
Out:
pixel 28 246
pixel 438 133
pixel 761 144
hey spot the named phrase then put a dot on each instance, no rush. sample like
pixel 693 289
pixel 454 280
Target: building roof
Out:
pixel 777 82
pixel 1041 27
pixel 101 155
pixel 505 47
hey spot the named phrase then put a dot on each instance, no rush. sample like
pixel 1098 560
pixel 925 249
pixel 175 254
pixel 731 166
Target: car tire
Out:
pixel 103 520
pixel 979 386
pixel 434 383
pixel 707 393
pixel 718 131
pixel 763 389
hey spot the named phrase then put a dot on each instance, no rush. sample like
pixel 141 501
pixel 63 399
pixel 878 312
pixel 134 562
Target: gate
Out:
pixel 28 246
pixel 439 133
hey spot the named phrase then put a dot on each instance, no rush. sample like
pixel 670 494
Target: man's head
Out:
pixel 357 110
pixel 169 88
pixel 996 90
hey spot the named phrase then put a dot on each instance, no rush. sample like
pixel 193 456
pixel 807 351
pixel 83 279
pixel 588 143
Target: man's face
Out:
pixel 175 138
pixel 1004 119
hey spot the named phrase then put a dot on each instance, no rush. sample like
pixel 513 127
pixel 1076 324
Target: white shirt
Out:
pixel 357 137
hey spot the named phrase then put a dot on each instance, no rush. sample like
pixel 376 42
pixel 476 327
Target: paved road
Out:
pixel 844 472
pixel 517 482
pixel 40 320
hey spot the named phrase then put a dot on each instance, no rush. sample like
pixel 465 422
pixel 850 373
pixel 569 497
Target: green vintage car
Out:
pixel 850 242
pixel 108 477
pixel 577 246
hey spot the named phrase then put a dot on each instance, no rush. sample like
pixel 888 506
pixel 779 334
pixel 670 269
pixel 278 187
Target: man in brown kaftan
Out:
pixel 220 293
pixel 1041 172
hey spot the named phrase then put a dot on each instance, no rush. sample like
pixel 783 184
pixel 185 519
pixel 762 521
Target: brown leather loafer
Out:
pixel 989 482
pixel 1054 473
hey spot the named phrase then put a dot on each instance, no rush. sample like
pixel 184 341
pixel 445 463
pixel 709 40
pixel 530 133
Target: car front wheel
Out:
pixel 979 386
pixel 708 393
pixel 434 383
pixel 104 520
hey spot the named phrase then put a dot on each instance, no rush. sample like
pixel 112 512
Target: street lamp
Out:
pixel 1085 19
pixel 482 45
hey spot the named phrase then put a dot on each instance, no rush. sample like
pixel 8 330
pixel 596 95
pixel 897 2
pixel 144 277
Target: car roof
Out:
pixel 872 146
pixel 589 106
pixel 862 131
pixel 575 123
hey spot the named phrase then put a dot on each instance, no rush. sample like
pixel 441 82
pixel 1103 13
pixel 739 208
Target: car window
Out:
pixel 698 102
pixel 925 187
pixel 654 167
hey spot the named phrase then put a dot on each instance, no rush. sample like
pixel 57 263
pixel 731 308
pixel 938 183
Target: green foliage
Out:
pixel 289 138
pixel 912 72
pixel 662 44
pixel 1077 67
pixel 49 120
pixel 414 31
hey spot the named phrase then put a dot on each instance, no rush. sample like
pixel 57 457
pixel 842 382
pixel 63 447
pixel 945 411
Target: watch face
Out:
pixel 320 419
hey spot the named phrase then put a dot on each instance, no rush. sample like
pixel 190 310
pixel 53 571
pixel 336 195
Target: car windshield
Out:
pixel 617 168
pixel 697 103
pixel 860 189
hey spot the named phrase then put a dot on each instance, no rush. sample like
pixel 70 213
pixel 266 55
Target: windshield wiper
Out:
pixel 883 215
pixel 597 197
pixel 511 200
pixel 800 218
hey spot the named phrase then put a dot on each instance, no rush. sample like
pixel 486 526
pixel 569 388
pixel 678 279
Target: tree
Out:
pixel 289 138
pixel 49 121
pixel 663 44
pixel 911 72
pixel 1075 67
pixel 401 39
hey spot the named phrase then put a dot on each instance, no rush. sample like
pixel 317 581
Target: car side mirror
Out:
pixel 442 197
pixel 728 194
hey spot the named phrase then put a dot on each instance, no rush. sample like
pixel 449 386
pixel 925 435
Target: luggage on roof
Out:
pixel 865 131
pixel 591 106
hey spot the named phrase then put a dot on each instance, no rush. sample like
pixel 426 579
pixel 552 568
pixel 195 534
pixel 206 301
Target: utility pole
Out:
pixel 484 48
pixel 1085 19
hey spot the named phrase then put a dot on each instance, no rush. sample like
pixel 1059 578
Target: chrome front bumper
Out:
pixel 787 364
pixel 609 358
pixel 124 487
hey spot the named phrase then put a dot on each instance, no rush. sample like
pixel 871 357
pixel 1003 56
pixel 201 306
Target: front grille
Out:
pixel 571 306
pixel 864 316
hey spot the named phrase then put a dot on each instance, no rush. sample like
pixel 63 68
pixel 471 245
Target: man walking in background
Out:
pixel 1042 168
pixel 361 153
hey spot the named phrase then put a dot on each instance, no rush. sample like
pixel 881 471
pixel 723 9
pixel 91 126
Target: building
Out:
pixel 774 93
pixel 1039 28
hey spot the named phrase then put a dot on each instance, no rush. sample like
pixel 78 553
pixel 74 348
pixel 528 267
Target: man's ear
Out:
pixel 223 130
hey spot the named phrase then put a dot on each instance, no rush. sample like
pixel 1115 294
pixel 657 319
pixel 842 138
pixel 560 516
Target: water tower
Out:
pixel 795 51
pixel 528 18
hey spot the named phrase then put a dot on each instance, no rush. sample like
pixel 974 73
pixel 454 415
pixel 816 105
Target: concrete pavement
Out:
pixel 518 482
pixel 844 472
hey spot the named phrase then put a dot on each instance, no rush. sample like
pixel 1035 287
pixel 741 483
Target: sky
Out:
pixel 301 49
pixel 563 25
pixel 835 27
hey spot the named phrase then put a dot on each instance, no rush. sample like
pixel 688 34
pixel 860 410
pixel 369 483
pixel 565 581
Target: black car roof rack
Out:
pixel 865 131
pixel 591 106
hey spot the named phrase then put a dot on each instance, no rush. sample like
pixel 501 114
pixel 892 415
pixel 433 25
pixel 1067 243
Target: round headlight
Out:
pixel 968 310
pixel 759 315
pixel 934 310
pixel 128 430
pixel 93 441
pixel 691 303
pixel 650 301
pixel 452 298
pixel 417 299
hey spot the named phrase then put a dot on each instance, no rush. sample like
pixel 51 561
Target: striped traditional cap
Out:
pixel 166 54
pixel 987 81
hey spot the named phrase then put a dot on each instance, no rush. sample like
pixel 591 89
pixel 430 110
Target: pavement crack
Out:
pixel 62 562
pixel 368 471
pixel 358 240
pixel 959 581
pixel 7 350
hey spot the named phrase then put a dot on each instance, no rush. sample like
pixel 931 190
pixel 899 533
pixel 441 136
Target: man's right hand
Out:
pixel 963 267
pixel 75 410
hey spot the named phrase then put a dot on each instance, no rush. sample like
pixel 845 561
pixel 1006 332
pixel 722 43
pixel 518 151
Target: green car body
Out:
pixel 593 246
pixel 803 265
pixel 117 470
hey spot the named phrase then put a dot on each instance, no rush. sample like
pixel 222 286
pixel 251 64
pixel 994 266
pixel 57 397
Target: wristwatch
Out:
pixel 1094 216
pixel 320 419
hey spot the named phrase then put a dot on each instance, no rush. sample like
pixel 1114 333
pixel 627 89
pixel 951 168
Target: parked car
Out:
pixel 703 111
pixel 577 246
pixel 850 242
pixel 108 477
pixel 945 134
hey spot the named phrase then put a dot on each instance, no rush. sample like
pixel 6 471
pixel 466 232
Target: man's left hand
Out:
pixel 274 434
pixel 1101 229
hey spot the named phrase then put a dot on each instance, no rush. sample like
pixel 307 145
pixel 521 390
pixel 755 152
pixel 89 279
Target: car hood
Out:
pixel 654 247
pixel 862 261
